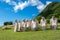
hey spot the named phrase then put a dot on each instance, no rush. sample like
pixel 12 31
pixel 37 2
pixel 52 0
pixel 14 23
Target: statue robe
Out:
pixel 53 23
pixel 15 27
pixel 33 25
pixel 19 26
pixel 43 24
pixel 23 26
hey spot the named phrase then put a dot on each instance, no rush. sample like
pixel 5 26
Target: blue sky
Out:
pixel 21 9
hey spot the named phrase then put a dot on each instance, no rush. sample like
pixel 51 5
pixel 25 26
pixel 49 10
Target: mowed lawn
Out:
pixel 30 35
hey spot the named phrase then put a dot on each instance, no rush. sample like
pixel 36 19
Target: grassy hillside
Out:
pixel 52 9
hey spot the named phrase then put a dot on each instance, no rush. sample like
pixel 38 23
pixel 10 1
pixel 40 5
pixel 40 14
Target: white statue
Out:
pixel 19 26
pixel 16 26
pixel 23 25
pixel 53 23
pixel 43 23
pixel 27 24
pixel 33 25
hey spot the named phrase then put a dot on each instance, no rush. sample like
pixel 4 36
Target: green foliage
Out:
pixel 38 18
pixel 52 9
pixel 8 23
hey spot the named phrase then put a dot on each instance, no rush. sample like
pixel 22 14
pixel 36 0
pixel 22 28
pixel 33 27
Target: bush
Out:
pixel 48 20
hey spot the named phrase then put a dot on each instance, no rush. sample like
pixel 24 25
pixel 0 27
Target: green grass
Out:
pixel 30 35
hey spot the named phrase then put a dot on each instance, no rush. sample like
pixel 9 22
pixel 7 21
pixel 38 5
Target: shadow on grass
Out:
pixel 6 28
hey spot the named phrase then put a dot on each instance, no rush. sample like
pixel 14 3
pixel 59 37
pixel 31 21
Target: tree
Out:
pixel 8 23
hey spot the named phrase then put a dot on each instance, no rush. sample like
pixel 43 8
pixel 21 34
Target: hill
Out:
pixel 51 9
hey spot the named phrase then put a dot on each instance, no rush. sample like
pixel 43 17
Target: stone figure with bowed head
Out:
pixel 33 25
pixel 43 23
pixel 23 25
pixel 53 23
pixel 16 26
pixel 19 26
pixel 27 24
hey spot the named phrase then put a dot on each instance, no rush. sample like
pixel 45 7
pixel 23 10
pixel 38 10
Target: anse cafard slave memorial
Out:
pixel 26 25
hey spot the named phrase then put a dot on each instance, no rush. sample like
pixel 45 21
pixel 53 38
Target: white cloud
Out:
pixel 41 6
pixel 48 2
pixel 13 3
pixel 10 2
pixel 7 1
pixel 21 5
pixel 34 2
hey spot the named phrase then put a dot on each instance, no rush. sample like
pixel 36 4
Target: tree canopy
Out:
pixel 8 23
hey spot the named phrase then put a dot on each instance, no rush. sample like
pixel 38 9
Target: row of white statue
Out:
pixel 32 24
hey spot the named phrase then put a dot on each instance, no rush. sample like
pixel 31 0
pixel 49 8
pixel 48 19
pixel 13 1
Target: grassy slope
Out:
pixel 51 9
pixel 37 35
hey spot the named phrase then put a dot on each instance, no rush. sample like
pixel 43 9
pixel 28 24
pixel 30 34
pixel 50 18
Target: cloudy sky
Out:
pixel 21 9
